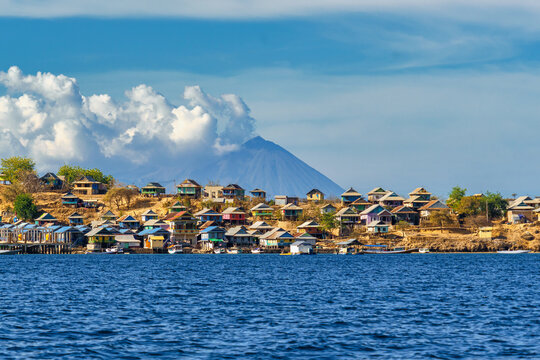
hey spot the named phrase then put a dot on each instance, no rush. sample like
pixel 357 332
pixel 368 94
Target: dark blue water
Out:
pixel 449 306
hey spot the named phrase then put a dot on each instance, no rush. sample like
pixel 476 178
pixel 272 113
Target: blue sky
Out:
pixel 394 96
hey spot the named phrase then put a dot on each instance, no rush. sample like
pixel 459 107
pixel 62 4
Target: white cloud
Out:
pixel 46 117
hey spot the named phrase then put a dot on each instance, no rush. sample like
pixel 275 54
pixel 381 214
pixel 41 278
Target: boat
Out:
pixel 256 251
pixel 175 249
pixel 383 249
pixel 219 251
pixel 285 253
pixel 9 252
pixel 513 251
pixel 423 250
pixel 114 251
pixel 234 251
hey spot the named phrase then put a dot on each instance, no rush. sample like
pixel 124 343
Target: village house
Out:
pixel 350 196
pixel 360 204
pixel 46 218
pixel 86 185
pixel 376 194
pixel 4 180
pixel 311 227
pixel 234 215
pixel 75 219
pixel 258 194
pixel 276 238
pixel 213 193
pixel 328 209
pixel 68 199
pixel 262 211
pixel 99 239
pixel 315 195
pixel 69 235
pixel 154 224
pixel 128 222
pixel 307 237
pixel 261 226
pixel 291 212
pixel 109 215
pixel 127 241
pixel 418 198
pixel 301 248
pixel 189 189
pixel 182 227
pixel 520 212
pixel 377 227
pixel 154 238
pixel 211 237
pixel 347 217
pixel 153 189
pixel 240 236
pixel 177 207
pixel 391 200
pixel 431 207
pixel 233 191
pixel 282 200
pixel 407 214
pixel 51 181
pixel 376 213
pixel 209 215
pixel 149 215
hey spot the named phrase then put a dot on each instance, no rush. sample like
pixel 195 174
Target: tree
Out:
pixel 24 207
pixel 328 221
pixel 120 195
pixel 441 218
pixel 15 166
pixel 455 196
pixel 72 173
pixel 496 204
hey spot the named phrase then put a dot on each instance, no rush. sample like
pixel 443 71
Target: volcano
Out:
pixel 266 165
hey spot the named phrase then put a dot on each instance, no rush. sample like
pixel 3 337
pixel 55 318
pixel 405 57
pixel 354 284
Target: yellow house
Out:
pixel 99 239
pixel 485 232
pixel 315 195
pixel 154 242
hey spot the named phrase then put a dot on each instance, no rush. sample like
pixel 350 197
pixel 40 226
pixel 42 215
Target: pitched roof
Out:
pixel 75 215
pixel 434 205
pixel 149 212
pixel 291 206
pixel 109 214
pixel 260 225
pixel 419 190
pixel 376 190
pixel 519 204
pixel 306 236
pixel 233 186
pixel 360 201
pixel 176 215
pixel 391 196
pixel 154 222
pixel 237 231
pixel 375 208
pixel 403 209
pixel 189 183
pixel 153 185
pixel 377 223
pixel 206 211
pixel 50 175
pixel 99 231
pixel 127 218
pixel 328 206
pixel 314 191
pixel 351 192
pixel 346 211
pixel 69 195
pixel 233 210
pixel 309 224
pixel 261 206
pixel 46 217
pixel 257 190
pixel 212 229
pixel 85 179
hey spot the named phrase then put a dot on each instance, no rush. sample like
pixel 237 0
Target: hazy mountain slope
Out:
pixel 264 164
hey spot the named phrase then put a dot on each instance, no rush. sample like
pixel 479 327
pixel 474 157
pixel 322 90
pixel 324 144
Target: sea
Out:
pixel 411 306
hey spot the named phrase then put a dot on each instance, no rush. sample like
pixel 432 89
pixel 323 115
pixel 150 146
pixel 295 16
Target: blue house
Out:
pixel 209 215
pixel 75 219
pixel 129 222
pixel 68 199
pixel 350 196
pixel 149 215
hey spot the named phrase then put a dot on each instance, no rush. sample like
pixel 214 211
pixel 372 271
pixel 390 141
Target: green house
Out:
pixel 153 189
pixel 189 188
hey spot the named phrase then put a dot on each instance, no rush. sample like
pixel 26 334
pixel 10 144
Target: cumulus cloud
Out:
pixel 45 116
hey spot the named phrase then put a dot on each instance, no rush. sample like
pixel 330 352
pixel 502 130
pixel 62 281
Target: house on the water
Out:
pixel 301 248
pixel 262 211
pixel 189 189
pixel 315 195
pixel 99 239
pixel 234 215
pixel 86 185
pixel 291 212
pixel 276 238
pixel 212 237
pixel 153 189
pixel 240 236
pixel 182 227
pixel 350 196
pixel 258 193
